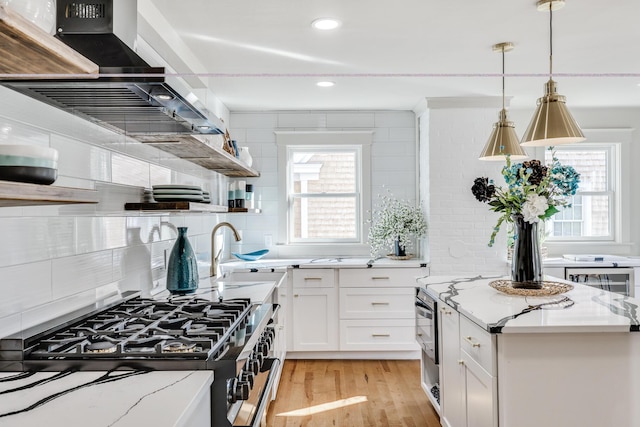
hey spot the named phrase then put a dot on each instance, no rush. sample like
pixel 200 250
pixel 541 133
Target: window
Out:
pixel 326 187
pixel 591 216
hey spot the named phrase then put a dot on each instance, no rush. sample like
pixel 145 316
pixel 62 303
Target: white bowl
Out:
pixel 34 151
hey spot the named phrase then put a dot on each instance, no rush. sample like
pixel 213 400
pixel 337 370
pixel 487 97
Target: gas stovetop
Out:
pixel 139 333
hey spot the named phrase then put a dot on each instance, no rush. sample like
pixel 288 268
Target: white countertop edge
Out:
pixel 565 329
pixel 195 399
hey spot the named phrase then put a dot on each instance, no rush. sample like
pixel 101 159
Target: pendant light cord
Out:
pixel 550 40
pixel 503 77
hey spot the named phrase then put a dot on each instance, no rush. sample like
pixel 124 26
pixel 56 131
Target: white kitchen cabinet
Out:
pixel 452 396
pixel 377 309
pixel 314 310
pixel 469 382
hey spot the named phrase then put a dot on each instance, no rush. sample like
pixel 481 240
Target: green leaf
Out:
pixel 551 210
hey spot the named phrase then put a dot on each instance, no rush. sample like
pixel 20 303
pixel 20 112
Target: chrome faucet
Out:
pixel 215 256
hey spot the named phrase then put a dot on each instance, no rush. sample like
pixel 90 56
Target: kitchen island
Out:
pixel 562 360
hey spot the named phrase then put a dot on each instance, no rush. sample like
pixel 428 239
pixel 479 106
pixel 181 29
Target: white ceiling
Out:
pixel 264 54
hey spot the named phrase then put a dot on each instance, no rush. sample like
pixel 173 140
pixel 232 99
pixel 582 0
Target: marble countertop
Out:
pixel 583 309
pixel 100 399
pixel 122 398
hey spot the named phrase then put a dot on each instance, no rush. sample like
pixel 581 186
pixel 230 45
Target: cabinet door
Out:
pixel 314 319
pixel 452 393
pixel 481 392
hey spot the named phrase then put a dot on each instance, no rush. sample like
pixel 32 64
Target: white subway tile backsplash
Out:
pixel 35 239
pixel 101 233
pixel 79 160
pixel 79 273
pixel 402 134
pixel 159 175
pixel 129 171
pixel 252 121
pixel 263 136
pixel 350 120
pixel 302 120
pixel 26 286
pixel 12 132
pixel 395 119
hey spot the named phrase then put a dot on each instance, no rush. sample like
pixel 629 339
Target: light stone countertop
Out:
pixel 583 309
pixel 123 399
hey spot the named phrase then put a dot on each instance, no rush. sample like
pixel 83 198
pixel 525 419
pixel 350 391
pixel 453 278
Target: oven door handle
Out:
pixel 276 308
pixel 424 312
pixel 266 393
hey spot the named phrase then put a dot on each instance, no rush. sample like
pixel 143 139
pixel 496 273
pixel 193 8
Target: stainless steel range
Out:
pixel 233 338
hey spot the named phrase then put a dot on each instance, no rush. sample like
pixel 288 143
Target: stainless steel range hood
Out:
pixel 128 97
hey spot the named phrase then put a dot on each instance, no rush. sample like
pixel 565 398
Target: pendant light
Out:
pixel 503 140
pixel 552 123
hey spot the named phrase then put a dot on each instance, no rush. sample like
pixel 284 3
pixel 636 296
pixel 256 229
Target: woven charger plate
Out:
pixel 401 258
pixel 548 288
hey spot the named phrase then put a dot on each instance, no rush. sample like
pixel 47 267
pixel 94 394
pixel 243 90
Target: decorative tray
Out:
pixel 400 258
pixel 548 288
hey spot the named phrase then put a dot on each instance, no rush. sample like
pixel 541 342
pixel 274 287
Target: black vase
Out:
pixel 399 249
pixel 526 265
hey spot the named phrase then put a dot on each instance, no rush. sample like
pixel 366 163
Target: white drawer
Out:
pixel 381 335
pixel 377 303
pixel 379 277
pixel 478 344
pixel 313 277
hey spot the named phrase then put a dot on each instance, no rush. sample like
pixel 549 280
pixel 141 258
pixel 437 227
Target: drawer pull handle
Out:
pixel 419 334
pixel 379 303
pixel 295 295
pixel 380 278
pixel 380 335
pixel 460 362
pixel 445 311
pixel 313 278
pixel 473 344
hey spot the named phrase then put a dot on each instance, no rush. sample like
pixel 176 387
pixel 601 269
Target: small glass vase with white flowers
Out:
pixel 394 224
pixel 534 192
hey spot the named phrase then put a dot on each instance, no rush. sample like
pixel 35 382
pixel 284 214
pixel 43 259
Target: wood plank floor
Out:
pixel 351 393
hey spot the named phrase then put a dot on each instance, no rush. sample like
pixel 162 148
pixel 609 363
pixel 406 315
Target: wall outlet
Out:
pixel 268 240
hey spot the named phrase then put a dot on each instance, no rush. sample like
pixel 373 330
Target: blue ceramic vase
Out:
pixel 182 270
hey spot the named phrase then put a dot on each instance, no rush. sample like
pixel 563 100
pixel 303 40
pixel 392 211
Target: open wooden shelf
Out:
pixel 175 206
pixel 192 149
pixel 27 49
pixel 23 194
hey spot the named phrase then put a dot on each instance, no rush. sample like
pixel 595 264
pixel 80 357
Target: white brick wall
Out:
pixel 459 226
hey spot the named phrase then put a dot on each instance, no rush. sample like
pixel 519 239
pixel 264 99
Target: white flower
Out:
pixel 534 207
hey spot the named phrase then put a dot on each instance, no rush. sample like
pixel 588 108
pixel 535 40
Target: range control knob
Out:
pixel 254 366
pixel 241 391
pixel 263 348
pixel 248 377
pixel 231 386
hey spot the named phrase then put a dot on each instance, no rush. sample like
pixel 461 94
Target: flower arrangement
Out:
pixel 395 220
pixel 533 190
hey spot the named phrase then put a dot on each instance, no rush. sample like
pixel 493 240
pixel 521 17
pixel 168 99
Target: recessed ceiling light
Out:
pixel 164 97
pixel 325 24
pixel 325 84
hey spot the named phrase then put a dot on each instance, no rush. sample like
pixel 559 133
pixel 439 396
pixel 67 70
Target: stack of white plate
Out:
pixel 28 163
pixel 177 193
pixel 206 197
